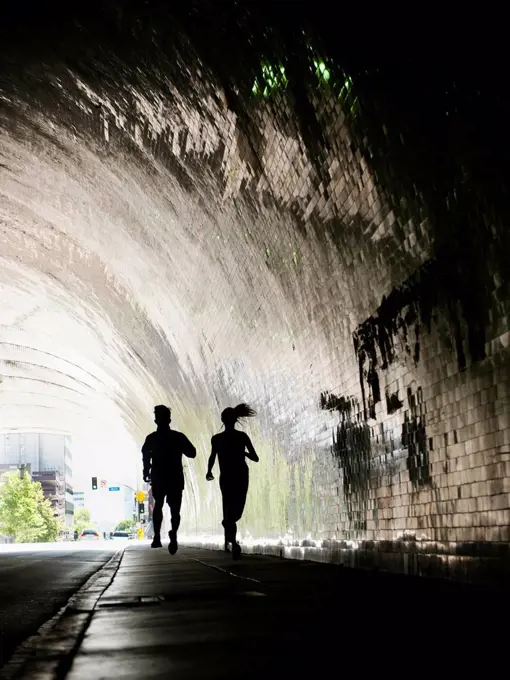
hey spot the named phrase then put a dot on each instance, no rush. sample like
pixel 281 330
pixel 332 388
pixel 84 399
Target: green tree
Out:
pixel 126 525
pixel 24 512
pixel 50 526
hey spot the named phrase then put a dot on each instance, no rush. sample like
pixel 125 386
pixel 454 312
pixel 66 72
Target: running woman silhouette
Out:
pixel 232 448
pixel 162 466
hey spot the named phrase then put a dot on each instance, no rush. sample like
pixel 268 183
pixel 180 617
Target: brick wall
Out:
pixel 316 238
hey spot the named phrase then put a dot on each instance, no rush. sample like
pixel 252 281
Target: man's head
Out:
pixel 162 415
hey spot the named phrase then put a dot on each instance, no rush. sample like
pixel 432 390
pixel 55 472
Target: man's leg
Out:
pixel 157 515
pixel 174 500
pixel 157 519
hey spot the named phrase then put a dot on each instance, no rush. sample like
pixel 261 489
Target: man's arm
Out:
pixel 212 460
pixel 146 457
pixel 187 447
pixel 251 453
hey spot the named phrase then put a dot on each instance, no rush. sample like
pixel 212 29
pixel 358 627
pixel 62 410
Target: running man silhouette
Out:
pixel 162 466
pixel 232 448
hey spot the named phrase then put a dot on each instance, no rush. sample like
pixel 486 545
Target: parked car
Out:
pixel 89 535
pixel 119 536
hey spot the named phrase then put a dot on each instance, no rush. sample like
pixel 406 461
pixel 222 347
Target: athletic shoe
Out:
pixel 156 543
pixel 172 546
pixel 236 551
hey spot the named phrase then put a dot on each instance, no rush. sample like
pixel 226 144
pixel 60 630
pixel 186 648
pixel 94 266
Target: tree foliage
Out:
pixel 24 511
pixel 126 525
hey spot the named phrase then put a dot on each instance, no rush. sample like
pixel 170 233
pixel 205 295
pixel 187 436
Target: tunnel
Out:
pixel 203 204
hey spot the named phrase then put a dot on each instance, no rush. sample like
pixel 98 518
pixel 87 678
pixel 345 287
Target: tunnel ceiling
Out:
pixel 193 200
pixel 145 228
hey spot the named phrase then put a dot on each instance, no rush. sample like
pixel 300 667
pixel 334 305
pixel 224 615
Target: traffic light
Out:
pixel 141 508
pixel 94 483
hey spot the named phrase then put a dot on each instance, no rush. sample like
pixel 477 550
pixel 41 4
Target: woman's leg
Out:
pixel 238 497
pixel 226 497
pixel 238 501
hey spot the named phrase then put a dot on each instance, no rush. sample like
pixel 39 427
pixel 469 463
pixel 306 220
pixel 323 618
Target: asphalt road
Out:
pixel 36 581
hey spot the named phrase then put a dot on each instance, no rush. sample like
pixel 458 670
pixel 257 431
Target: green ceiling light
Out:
pixel 346 88
pixel 354 110
pixel 322 71
pixel 272 78
pixel 352 104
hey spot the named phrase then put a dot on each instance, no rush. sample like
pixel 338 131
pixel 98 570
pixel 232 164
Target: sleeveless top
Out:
pixel 230 448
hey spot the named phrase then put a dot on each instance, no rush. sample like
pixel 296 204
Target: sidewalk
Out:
pixel 198 614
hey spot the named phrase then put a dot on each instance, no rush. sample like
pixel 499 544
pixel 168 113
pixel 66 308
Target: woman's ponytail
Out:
pixel 244 411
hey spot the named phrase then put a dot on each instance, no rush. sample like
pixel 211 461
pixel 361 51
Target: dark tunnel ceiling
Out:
pixel 153 245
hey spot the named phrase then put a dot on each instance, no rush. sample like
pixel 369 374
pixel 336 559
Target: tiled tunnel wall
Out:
pixel 278 224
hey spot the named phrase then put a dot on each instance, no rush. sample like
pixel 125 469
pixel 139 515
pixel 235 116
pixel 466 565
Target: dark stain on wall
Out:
pixel 414 438
pixel 330 402
pixel 351 448
pixel 393 403
pixel 439 288
pixel 365 348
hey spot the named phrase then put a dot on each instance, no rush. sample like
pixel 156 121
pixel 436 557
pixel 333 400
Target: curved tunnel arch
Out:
pixel 178 237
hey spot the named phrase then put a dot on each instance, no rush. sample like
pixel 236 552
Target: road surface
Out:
pixel 37 580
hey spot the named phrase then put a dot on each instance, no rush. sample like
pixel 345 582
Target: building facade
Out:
pixel 78 499
pixel 49 458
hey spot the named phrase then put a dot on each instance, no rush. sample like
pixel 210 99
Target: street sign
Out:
pixel 114 488
pixel 104 484
pixel 140 496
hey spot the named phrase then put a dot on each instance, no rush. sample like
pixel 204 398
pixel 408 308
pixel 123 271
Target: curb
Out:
pixel 49 653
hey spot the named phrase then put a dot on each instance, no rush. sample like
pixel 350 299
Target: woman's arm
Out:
pixel 251 454
pixel 212 460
